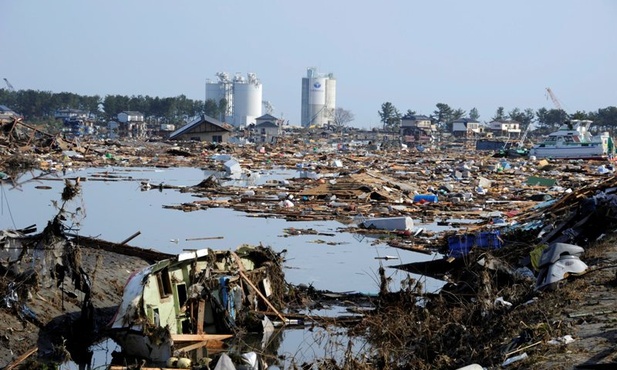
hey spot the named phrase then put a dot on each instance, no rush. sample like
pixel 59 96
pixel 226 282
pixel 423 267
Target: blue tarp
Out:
pixel 425 198
pixel 459 245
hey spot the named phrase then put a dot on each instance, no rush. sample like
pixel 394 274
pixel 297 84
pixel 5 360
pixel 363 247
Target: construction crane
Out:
pixel 9 86
pixel 554 98
pixel 563 113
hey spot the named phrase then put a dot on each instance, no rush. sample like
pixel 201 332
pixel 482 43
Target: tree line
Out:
pixel 40 106
pixel 605 119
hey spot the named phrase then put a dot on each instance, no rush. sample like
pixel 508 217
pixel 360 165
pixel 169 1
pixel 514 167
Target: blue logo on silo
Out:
pixel 317 85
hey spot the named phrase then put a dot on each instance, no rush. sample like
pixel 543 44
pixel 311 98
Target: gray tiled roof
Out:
pixel 196 122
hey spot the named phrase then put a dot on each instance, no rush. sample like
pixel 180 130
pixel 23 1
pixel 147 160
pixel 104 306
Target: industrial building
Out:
pixel 243 96
pixel 318 98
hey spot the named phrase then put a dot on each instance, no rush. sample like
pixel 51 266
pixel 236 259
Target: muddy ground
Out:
pixel 44 318
pixel 586 310
pixel 582 307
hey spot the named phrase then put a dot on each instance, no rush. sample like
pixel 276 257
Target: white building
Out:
pixel 131 124
pixel 243 96
pixel 130 117
pixel 318 98
pixel 62 114
pixel 506 128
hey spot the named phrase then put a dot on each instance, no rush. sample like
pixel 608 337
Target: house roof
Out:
pixel 4 108
pixel 465 120
pixel 505 121
pixel 132 113
pixel 198 121
pixel 267 117
pixel 266 124
pixel 416 117
pixel 70 110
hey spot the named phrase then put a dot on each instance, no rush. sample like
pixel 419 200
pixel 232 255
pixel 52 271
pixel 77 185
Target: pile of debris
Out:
pixel 539 246
pixel 505 299
pixel 61 291
pixel 200 296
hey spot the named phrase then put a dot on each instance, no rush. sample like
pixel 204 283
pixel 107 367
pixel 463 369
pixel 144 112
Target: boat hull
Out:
pixel 569 152
pixel 573 140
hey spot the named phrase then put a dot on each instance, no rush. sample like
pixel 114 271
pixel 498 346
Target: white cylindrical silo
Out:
pixel 318 98
pixel 317 91
pixel 221 89
pixel 331 93
pixel 214 91
pixel 247 100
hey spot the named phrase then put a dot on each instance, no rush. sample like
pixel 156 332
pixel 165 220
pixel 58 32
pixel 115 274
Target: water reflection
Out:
pixel 117 208
pixel 113 207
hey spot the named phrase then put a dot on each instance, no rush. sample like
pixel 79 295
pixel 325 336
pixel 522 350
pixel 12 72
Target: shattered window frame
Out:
pixel 164 283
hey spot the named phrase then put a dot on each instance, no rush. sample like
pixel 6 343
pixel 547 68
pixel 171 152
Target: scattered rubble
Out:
pixel 527 283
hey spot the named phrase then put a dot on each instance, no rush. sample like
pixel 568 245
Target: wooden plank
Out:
pixel 21 358
pixel 147 254
pixel 204 238
pixel 211 344
pixel 250 283
pixel 130 238
pixel 119 367
pixel 199 337
pixel 201 313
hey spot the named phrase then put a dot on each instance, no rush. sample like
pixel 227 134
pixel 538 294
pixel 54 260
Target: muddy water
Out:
pixel 117 208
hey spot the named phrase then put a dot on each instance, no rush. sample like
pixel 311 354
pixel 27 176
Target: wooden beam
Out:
pixel 118 367
pixel 130 238
pixel 21 358
pixel 147 254
pixel 201 313
pixel 204 238
pixel 199 337
pixel 211 344
pixel 249 282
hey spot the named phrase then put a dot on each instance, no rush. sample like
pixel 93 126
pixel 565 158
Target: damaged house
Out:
pixel 197 296
pixel 204 128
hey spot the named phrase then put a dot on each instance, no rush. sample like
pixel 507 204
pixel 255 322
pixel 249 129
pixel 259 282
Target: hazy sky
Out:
pixel 414 54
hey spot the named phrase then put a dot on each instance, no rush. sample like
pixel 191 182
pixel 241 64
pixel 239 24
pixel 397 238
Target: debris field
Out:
pixel 498 306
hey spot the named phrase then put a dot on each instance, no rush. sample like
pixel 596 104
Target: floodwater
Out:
pixel 113 207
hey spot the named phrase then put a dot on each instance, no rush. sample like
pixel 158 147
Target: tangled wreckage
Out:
pixel 70 287
pixel 506 293
pixel 197 296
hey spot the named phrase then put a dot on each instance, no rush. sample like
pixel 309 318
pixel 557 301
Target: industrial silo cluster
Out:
pixel 318 98
pixel 243 96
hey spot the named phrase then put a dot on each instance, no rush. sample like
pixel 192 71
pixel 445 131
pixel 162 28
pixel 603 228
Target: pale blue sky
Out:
pixel 482 54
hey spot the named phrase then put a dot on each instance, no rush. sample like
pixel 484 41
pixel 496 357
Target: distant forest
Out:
pixel 40 106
